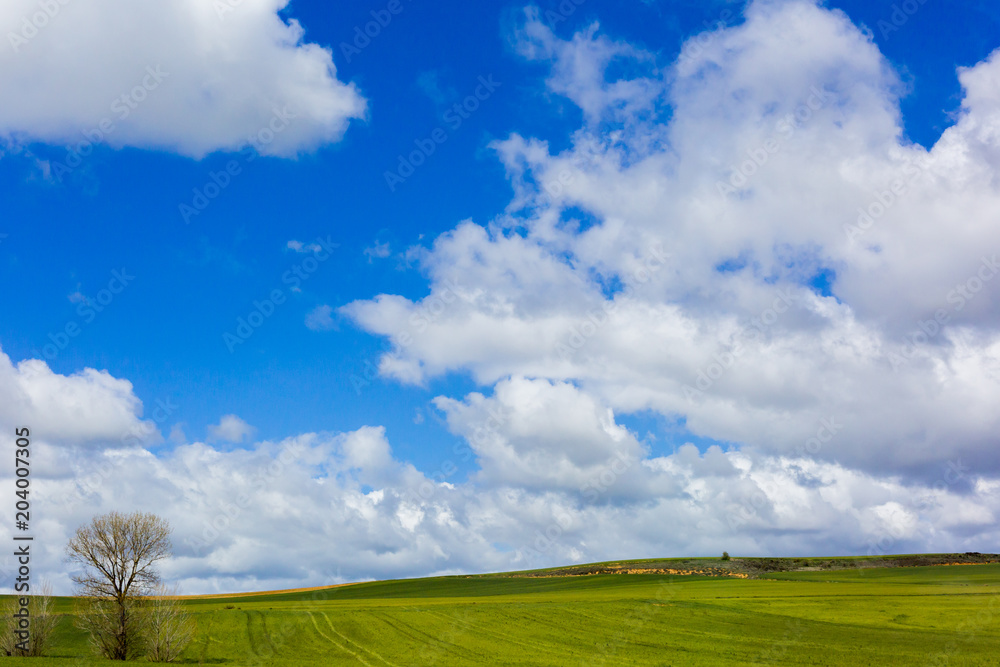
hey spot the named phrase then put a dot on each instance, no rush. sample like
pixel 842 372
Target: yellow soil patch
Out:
pixel 253 593
pixel 692 572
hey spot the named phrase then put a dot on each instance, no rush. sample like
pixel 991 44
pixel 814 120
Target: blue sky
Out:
pixel 191 277
pixel 120 210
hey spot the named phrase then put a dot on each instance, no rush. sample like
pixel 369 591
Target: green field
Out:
pixel 892 616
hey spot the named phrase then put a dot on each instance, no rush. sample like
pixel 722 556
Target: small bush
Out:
pixel 168 626
pixel 725 555
pixel 43 624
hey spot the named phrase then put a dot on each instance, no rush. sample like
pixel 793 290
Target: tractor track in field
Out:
pixel 559 630
pixel 421 637
pixel 253 635
pixel 208 636
pixel 539 618
pixel 336 643
pixel 495 634
pixel 267 634
pixel 352 642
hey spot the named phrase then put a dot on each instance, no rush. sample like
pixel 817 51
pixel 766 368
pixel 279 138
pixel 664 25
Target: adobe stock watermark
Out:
pixel 263 310
pixel 968 630
pixel 630 626
pixel 122 107
pixel 554 187
pixel 497 417
pixel 364 34
pixel 283 639
pixel 825 433
pixel 163 409
pixel 33 24
pixel 225 7
pixel 599 485
pixel 777 652
pixel 696 45
pixel 614 468
pixel 454 118
pixel 879 547
pixel 884 200
pixel 959 297
pixel 597 318
pixel 218 181
pixel 901 14
pixel 431 309
pixel 562 12
pixel 229 512
pixel 726 360
pixel 784 129
pixel 87 310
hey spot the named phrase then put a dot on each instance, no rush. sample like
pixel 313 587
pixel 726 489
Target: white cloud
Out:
pixel 300 247
pixel 87 407
pixel 579 65
pixel 230 429
pixel 535 434
pixel 320 319
pixel 559 480
pixel 834 451
pixel 377 251
pixel 345 509
pixel 367 449
pixel 177 435
pixel 173 75
pixel 795 112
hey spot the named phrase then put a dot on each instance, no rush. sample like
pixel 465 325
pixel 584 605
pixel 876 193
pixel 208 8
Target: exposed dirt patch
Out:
pixel 246 595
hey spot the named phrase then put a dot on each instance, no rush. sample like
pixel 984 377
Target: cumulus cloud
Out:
pixel 536 434
pixel 189 77
pixel 558 480
pixel 690 292
pixel 764 253
pixel 345 508
pixel 230 429
pixel 89 407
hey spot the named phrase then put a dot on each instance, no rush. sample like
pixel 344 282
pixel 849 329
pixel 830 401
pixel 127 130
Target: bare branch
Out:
pixel 118 553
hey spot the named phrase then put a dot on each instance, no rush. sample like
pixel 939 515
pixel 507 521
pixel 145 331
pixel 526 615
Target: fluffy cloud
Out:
pixel 230 429
pixel 671 258
pixel 559 479
pixel 863 421
pixel 344 508
pixel 89 407
pixel 190 77
pixel 535 434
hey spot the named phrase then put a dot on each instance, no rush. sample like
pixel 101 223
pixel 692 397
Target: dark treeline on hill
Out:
pixel 914 560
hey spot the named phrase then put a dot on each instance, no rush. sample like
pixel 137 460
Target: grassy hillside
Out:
pixel 853 616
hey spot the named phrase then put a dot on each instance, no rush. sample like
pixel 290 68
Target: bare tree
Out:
pixel 168 628
pixel 118 553
pixel 115 630
pixel 42 624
